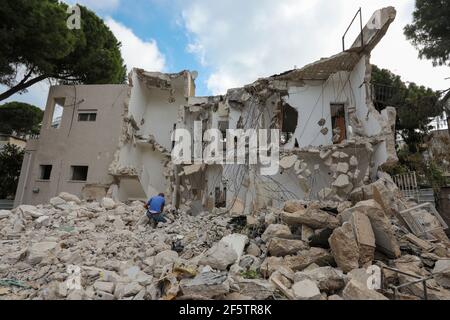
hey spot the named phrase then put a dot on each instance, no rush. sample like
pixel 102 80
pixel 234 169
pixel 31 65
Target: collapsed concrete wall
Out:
pixel 141 164
pixel 336 142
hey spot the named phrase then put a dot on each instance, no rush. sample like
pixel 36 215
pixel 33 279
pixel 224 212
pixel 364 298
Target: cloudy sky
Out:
pixel 234 42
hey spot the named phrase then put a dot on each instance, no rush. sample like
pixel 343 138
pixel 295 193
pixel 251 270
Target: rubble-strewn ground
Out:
pixel 306 250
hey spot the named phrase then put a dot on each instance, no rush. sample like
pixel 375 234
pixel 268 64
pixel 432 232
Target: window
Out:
pixel 338 123
pixel 57 112
pixel 46 172
pixel 220 195
pixel 87 116
pixel 79 173
pixel 289 122
pixel 223 127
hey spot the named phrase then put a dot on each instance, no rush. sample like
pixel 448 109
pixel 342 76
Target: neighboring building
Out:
pixel 333 139
pixel 77 151
pixel 12 139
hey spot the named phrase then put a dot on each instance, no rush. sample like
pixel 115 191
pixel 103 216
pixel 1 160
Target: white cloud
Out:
pixel 243 40
pixel 135 51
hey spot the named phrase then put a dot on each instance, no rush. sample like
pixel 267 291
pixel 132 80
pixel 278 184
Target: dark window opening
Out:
pixel 79 173
pixel 223 127
pixel 90 117
pixel 57 112
pixel 289 120
pixel 174 129
pixel 220 197
pixel 46 172
pixel 338 123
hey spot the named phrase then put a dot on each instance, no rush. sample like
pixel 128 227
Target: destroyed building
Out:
pixel 117 139
pixel 313 232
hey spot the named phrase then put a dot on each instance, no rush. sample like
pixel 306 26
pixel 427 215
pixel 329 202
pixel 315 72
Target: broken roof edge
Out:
pixel 373 32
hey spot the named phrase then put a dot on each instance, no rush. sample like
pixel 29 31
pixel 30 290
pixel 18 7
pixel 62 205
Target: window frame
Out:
pixel 42 172
pixel 72 173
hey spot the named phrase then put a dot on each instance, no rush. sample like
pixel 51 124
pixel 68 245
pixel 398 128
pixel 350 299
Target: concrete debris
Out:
pixel 356 290
pixel 442 273
pixel 276 230
pixel 207 285
pixel 382 227
pixel 288 162
pixel 305 250
pixel 327 279
pixel 4 214
pixel 304 258
pixel 311 217
pixel 283 247
pixel 345 248
pixel 220 256
pixel 255 288
pixel 306 290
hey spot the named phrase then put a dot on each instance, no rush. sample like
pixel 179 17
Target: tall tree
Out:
pixel 21 118
pixel 36 44
pixel 416 105
pixel 430 30
pixel 11 158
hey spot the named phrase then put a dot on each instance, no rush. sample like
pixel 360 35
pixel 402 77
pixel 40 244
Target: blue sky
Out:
pixel 234 42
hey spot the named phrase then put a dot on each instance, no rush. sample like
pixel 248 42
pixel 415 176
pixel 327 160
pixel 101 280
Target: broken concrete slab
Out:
pixel 103 286
pixel 41 250
pixel 288 162
pixel 293 206
pixel 276 230
pixel 4 214
pixel 364 236
pixel 342 182
pixel 355 290
pixel 311 217
pixel 108 203
pixel 56 201
pixel 327 279
pixel 342 167
pixel 207 285
pixel 385 238
pixel 258 289
pixel 306 257
pixel 306 290
pixel 28 211
pixel 442 273
pixel 422 244
pixel 69 197
pixel 237 242
pixel 345 248
pixel 220 256
pixel 282 247
pixel 270 265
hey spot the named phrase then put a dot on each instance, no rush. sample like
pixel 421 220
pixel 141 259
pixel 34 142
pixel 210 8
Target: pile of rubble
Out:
pixel 72 249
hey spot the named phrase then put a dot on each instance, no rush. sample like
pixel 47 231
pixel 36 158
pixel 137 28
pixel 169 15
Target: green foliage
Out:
pixel 430 30
pixel 250 274
pixel 415 105
pixel 11 158
pixel 35 39
pixel 21 118
pixel 429 173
